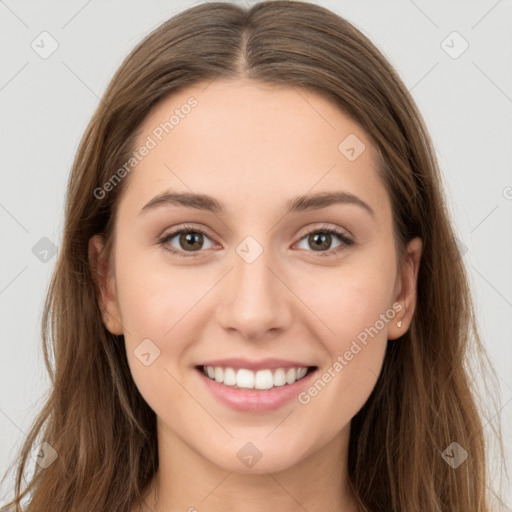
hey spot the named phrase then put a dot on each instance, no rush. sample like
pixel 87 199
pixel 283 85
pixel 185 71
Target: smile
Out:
pixel 254 391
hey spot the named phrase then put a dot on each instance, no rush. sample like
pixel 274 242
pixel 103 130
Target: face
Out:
pixel 315 286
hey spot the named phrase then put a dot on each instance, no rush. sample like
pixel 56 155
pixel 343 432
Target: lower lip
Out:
pixel 251 400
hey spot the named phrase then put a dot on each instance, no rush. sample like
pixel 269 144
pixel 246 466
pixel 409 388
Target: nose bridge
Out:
pixel 254 300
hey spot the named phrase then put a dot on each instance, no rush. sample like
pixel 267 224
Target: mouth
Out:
pixel 257 392
pixel 260 380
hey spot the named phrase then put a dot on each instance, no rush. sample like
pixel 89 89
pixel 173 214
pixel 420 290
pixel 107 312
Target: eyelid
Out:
pixel 324 226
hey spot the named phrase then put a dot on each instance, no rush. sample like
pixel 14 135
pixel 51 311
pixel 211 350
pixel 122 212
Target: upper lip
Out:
pixel 261 364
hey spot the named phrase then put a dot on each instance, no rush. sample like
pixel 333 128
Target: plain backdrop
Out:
pixel 464 94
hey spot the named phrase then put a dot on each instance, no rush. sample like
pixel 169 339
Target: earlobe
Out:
pixel 105 285
pixel 406 296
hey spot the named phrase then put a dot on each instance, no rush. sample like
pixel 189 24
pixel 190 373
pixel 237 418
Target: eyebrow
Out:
pixel 296 204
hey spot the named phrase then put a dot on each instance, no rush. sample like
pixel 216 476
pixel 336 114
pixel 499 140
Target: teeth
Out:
pixel 291 376
pixel 219 374
pixel 230 377
pixel 262 379
pixel 279 377
pixel 245 378
pixel 301 372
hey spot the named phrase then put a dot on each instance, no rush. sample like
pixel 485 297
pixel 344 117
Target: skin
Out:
pixel 253 147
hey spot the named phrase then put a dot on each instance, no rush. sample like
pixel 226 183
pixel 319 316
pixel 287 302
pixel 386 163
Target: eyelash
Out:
pixel 347 242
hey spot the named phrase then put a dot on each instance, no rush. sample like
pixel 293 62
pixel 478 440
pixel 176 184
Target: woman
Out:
pixel 259 303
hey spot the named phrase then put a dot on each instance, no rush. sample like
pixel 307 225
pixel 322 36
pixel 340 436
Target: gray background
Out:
pixel 46 104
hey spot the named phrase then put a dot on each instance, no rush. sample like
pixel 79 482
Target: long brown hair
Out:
pixel 96 420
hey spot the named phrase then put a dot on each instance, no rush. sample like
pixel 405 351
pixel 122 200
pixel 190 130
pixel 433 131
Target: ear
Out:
pixel 104 279
pixel 406 287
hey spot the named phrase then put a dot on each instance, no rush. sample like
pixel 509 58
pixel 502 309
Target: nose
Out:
pixel 254 298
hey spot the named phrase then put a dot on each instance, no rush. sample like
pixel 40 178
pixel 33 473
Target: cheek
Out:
pixel 355 354
pixel 349 300
pixel 155 305
pixel 152 295
pixel 352 312
pixel 156 317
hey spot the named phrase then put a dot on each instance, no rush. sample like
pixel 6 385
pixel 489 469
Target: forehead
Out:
pixel 253 145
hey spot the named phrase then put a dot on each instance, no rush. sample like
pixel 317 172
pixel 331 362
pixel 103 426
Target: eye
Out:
pixel 321 238
pixel 189 239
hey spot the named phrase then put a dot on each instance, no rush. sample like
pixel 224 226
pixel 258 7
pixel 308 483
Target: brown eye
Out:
pixel 320 241
pixel 185 241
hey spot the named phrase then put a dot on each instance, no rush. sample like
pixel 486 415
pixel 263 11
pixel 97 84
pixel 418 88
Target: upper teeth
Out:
pixel 262 379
